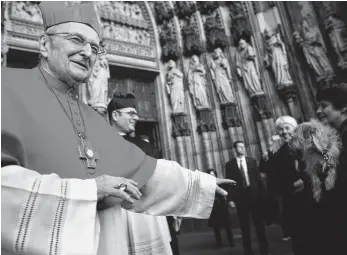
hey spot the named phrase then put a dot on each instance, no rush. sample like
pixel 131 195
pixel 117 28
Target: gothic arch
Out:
pixel 130 35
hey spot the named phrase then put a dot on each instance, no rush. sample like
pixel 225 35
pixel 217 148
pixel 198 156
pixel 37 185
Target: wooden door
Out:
pixel 141 84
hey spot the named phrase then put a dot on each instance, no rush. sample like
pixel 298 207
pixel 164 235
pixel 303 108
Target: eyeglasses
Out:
pixel 80 42
pixel 131 113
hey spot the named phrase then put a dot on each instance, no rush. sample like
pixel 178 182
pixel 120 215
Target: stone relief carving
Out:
pixel 337 31
pixel 126 49
pixel 215 33
pixel 310 40
pixel 192 42
pixel 221 75
pixel 207 7
pixel 163 12
pixel 239 20
pixel 168 41
pixel 131 10
pixel 26 10
pixel 174 87
pixel 205 121
pixel 98 84
pixel 247 68
pixel 180 125
pixel 126 29
pixel 185 9
pixel 197 83
pixel 126 33
pixel 276 58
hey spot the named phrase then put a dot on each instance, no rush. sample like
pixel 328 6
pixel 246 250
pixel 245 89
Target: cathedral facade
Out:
pixel 205 74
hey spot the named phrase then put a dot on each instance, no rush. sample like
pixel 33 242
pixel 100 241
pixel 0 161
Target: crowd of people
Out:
pixel 301 183
pixel 73 183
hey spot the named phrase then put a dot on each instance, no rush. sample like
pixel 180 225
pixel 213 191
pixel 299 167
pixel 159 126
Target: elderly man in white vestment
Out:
pixel 65 171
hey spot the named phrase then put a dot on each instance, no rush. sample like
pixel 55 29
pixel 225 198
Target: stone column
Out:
pixel 206 142
pixel 231 120
pixel 181 152
pixel 216 154
pixel 181 129
pixel 206 125
pixel 262 137
pixel 189 156
pixel 290 97
pixel 264 120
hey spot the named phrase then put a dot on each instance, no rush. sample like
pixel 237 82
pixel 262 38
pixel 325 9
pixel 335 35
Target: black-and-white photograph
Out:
pixel 173 127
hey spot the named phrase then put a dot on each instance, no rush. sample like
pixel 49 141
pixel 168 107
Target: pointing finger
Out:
pixel 225 181
pixel 221 191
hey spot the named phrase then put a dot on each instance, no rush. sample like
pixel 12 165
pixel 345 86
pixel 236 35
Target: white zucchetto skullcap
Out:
pixel 286 120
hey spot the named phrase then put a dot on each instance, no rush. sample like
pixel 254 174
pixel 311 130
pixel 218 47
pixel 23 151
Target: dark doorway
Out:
pixel 22 59
pixel 150 130
pixel 141 84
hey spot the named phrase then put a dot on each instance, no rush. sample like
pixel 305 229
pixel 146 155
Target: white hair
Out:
pixel 286 120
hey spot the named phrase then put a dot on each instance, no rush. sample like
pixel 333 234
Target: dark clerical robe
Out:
pixel 49 198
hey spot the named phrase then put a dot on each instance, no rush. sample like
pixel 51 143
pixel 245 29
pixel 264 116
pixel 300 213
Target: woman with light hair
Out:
pixel 285 182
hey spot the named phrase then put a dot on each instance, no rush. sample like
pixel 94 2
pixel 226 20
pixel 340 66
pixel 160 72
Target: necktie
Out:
pixel 242 169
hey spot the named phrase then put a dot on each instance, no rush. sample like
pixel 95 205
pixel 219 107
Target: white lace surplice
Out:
pixel 43 214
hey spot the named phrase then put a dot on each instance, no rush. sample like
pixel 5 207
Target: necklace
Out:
pixel 84 149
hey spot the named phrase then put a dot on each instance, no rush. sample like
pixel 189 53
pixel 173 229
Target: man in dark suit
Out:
pixel 246 196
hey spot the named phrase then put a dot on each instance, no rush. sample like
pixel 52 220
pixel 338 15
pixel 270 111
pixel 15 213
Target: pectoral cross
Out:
pixel 90 156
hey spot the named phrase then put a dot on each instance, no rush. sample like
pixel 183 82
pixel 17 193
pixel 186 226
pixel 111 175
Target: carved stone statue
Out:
pixel 314 50
pixel 174 87
pixel 197 83
pixel 247 69
pixel 98 84
pixel 337 31
pixel 221 75
pixel 276 57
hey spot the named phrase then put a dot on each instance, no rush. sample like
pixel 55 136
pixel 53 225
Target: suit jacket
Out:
pixel 237 193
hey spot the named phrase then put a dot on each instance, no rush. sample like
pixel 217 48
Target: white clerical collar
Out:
pixel 122 133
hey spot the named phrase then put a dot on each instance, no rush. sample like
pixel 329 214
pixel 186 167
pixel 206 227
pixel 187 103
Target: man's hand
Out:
pixel 231 204
pixel 109 186
pixel 221 191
